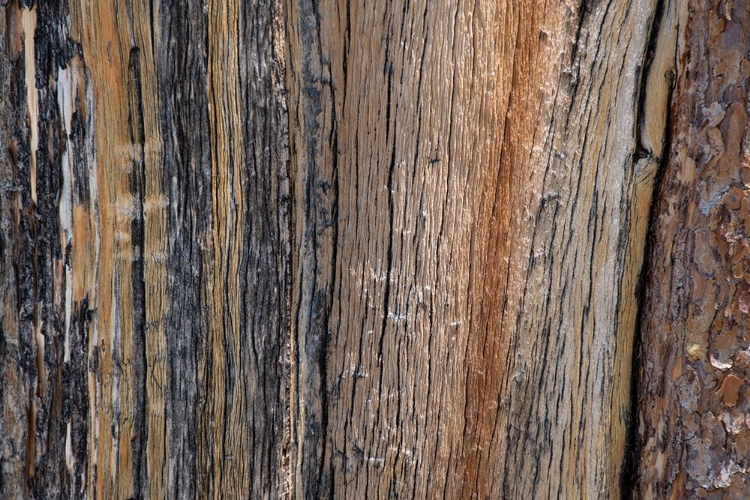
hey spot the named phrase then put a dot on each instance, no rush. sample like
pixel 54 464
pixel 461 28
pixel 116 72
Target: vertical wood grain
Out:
pixel 469 233
pixel 242 373
pixel 13 424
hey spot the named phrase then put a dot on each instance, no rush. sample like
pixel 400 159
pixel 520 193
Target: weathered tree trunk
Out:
pixel 384 248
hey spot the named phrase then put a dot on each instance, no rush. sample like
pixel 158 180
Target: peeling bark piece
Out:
pixel 729 389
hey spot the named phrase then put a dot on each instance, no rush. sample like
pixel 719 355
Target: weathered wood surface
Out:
pixel 468 245
pixel 693 431
pixel 339 248
pixel 145 250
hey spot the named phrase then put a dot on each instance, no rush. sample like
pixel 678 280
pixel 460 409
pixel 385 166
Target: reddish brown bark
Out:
pixel 693 430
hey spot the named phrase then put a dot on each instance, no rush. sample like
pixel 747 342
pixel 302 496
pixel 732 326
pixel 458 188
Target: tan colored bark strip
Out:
pixel 108 35
pixel 28 19
pixel 99 37
pixel 223 440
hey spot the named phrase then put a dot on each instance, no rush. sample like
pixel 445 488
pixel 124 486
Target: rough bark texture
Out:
pixel 389 249
pixel 693 430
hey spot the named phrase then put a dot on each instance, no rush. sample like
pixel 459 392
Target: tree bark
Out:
pixel 389 249
pixel 693 435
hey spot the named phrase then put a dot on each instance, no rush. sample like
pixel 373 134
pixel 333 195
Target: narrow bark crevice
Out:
pixel 643 153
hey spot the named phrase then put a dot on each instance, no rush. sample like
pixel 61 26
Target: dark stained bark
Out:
pixel 387 248
pixel 187 178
